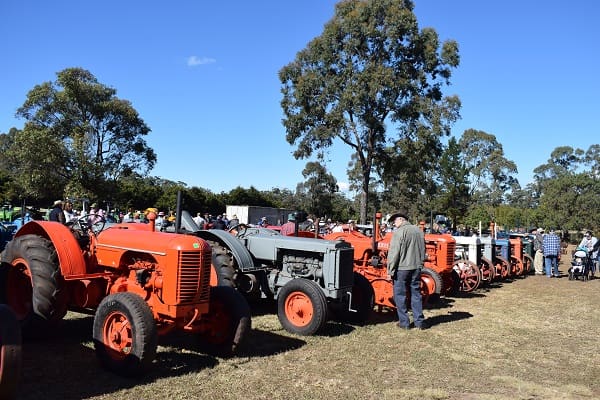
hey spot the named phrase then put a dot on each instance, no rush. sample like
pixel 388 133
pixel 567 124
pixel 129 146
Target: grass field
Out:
pixel 532 338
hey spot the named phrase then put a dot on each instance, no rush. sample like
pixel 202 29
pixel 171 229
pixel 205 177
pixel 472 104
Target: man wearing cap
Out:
pixel 56 214
pixel 405 261
pixel 538 261
pixel 289 227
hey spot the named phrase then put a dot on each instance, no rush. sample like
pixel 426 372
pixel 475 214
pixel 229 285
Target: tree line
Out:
pixel 373 81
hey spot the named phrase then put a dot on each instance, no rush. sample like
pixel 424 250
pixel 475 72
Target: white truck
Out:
pixel 253 214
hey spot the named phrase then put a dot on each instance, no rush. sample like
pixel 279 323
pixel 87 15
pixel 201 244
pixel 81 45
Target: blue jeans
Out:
pixel 404 280
pixel 551 263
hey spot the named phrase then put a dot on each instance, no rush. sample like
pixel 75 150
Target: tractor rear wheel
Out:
pixel 32 283
pixel 10 353
pixel 363 301
pixel 431 280
pixel 470 276
pixel 227 322
pixel 302 307
pixel 125 334
pixel 222 271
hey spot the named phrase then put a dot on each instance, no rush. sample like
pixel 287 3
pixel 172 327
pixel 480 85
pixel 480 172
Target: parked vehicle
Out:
pixel 308 277
pixel 137 282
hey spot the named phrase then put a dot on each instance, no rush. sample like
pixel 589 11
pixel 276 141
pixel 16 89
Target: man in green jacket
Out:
pixel 405 261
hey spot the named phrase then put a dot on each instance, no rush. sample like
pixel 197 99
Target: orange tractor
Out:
pixel 137 282
pixel 370 261
pixel 10 353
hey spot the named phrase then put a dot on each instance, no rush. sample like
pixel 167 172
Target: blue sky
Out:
pixel 203 75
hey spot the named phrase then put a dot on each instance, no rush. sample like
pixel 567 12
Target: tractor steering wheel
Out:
pixel 91 223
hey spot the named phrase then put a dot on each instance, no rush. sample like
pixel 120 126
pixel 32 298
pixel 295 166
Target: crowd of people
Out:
pixel 548 250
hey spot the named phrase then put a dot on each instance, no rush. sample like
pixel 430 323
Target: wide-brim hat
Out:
pixel 57 202
pixel 397 214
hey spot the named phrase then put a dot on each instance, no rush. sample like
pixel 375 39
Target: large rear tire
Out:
pixel 222 272
pixel 32 283
pixel 10 353
pixel 302 307
pixel 227 322
pixel 125 334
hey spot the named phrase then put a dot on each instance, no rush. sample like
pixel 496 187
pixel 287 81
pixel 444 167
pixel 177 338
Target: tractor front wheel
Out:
pixel 10 353
pixel 227 322
pixel 470 276
pixel 125 334
pixel 302 307
pixel 432 284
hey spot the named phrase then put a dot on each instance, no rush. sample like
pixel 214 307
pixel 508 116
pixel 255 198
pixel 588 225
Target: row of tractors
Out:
pixel 453 263
pixel 139 282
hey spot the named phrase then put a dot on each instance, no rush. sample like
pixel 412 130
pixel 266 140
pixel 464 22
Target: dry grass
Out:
pixel 533 338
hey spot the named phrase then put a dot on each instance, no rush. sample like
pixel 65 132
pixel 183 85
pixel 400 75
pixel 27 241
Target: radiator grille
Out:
pixel 193 284
pixel 450 253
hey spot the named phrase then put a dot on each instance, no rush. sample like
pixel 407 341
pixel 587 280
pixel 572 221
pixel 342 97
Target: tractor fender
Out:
pixel 70 256
pixel 240 253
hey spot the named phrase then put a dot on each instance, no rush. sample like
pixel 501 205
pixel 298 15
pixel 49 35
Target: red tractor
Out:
pixel 138 282
pixel 10 353
pixel 370 261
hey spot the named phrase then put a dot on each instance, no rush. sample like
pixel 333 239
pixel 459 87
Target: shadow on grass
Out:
pixel 63 365
pixel 450 317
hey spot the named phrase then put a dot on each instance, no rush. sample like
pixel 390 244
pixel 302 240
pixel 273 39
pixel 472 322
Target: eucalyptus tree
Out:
pixel 371 68
pixel 491 174
pixel 452 176
pixel 318 189
pixel 79 137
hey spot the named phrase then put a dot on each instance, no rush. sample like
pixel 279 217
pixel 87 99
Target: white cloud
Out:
pixel 194 61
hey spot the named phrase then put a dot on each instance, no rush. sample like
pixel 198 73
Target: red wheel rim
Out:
pixel 117 335
pixel 299 309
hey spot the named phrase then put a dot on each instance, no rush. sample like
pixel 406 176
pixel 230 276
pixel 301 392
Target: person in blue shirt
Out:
pixel 551 249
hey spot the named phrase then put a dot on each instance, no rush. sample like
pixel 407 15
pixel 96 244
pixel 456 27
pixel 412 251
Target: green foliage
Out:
pixel 370 66
pixel 77 132
pixel 452 176
pixel 491 173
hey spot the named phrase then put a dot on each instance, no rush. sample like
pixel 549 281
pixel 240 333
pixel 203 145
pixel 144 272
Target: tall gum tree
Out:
pixel 89 137
pixel 370 68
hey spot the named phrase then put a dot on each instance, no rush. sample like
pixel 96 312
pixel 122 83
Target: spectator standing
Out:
pixel 199 220
pixel 96 215
pixel 538 261
pixel 551 250
pixel 588 242
pixel 226 220
pixel 57 214
pixel 68 211
pixel 289 227
pixel 263 222
pixel 405 261
pixel 233 221
pixel 219 223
